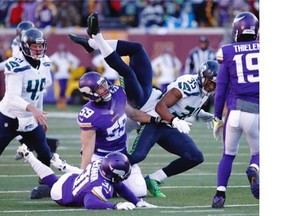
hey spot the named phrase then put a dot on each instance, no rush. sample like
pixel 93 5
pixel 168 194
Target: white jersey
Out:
pixel 192 98
pixel 15 46
pixel 24 85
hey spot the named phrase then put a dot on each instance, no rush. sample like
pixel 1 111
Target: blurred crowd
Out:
pixel 125 13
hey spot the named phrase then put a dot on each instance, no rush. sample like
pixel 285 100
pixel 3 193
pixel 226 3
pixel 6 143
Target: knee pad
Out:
pixel 136 182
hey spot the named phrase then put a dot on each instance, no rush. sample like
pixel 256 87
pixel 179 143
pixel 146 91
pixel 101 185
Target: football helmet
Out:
pixel 207 75
pixel 94 86
pixel 245 27
pixel 23 26
pixel 33 36
pixel 115 167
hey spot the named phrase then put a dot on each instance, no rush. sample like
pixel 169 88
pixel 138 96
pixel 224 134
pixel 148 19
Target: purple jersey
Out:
pixel 108 120
pixel 238 77
pixel 77 186
pixel 88 189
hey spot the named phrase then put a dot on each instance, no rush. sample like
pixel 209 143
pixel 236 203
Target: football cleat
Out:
pixel 253 177
pixel 40 192
pixel 218 202
pixel 93 25
pixel 58 163
pixel 23 151
pixel 153 187
pixel 83 41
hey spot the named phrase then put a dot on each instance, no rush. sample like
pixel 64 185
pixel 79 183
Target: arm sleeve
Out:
pixel 13 91
pixel 93 202
pixel 126 193
pixel 221 91
pixel 49 80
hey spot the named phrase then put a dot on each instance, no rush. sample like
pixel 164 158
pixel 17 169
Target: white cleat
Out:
pixel 58 163
pixel 23 151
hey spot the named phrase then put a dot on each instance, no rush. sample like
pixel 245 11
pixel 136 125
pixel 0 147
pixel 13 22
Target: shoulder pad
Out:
pixel 16 65
pixel 188 85
pixel 46 61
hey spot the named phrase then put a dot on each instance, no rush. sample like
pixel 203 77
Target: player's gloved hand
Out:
pixel 158 120
pixel 218 129
pixel 181 125
pixel 207 117
pixel 144 204
pixel 125 206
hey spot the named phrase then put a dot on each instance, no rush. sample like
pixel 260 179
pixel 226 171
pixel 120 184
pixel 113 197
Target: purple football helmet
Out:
pixel 245 25
pixel 33 36
pixel 208 74
pixel 94 86
pixel 115 167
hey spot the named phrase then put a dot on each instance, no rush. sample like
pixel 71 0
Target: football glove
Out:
pixel 181 125
pixel 125 206
pixel 218 129
pixel 207 117
pixel 144 204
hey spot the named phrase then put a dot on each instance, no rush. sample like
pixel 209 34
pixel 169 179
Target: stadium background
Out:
pixel 182 40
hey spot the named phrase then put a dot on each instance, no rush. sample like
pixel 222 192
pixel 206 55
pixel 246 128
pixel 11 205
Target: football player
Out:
pixel 16 49
pixel 183 98
pixel 238 86
pixel 102 121
pixel 27 74
pixel 92 187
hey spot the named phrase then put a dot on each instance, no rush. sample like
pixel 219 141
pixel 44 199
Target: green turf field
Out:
pixel 190 193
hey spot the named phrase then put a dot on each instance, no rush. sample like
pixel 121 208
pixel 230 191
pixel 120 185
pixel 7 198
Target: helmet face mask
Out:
pixel 115 167
pixel 95 87
pixel 33 43
pixel 245 27
pixel 208 76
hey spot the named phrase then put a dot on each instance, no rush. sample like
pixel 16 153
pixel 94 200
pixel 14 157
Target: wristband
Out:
pixel 152 119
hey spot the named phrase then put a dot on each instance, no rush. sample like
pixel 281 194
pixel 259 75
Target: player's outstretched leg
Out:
pixel 44 172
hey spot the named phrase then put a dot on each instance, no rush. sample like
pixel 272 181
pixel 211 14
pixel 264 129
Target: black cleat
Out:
pixel 218 202
pixel 83 41
pixel 93 25
pixel 40 192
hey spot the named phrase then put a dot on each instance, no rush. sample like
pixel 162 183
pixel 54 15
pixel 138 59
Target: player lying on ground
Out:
pixel 91 187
